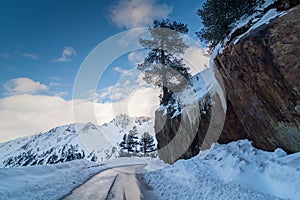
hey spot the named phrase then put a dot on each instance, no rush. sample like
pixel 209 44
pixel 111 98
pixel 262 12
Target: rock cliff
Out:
pixel 261 74
pixel 180 136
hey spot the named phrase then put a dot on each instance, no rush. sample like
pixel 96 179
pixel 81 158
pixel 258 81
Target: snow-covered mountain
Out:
pixel 71 142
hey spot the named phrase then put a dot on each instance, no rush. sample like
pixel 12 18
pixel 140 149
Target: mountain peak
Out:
pixel 73 141
pixel 124 120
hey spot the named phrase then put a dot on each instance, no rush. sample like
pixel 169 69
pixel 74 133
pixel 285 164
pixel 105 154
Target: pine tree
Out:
pixel 133 139
pixel 125 144
pixel 219 15
pixel 161 66
pixel 147 143
pixel 130 141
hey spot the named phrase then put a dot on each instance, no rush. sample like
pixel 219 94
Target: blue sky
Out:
pixel 34 33
pixel 45 28
pixel 43 44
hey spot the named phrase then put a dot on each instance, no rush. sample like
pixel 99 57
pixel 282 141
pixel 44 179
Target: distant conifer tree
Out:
pixel 147 143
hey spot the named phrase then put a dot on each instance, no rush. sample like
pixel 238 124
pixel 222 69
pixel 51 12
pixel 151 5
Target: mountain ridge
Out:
pixel 71 142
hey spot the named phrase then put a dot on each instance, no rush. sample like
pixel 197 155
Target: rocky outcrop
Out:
pixel 179 137
pixel 196 128
pixel 261 75
pixel 233 129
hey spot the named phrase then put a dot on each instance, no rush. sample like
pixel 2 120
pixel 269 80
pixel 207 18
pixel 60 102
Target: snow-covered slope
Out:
pixel 232 171
pixel 200 86
pixel 122 124
pixel 71 142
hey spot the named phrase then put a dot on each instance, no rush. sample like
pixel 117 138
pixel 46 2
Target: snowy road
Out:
pixel 115 183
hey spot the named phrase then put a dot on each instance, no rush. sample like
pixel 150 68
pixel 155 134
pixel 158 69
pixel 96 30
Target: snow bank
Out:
pixel 269 172
pixel 45 182
pixel 233 171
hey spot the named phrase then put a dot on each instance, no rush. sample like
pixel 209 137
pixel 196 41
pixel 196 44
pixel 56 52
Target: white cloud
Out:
pixel 132 37
pixel 137 13
pixel 33 56
pixel 66 55
pixel 137 57
pixel 25 112
pixel 123 72
pixel 196 59
pixel 23 86
pixel 22 115
pixel 131 94
pixel 117 95
pixel 90 111
pixel 113 93
pixel 61 93
pixel 129 81
pixel 105 93
pixel 143 102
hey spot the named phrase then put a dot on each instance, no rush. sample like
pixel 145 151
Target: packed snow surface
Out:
pixel 46 181
pixel 151 164
pixel 233 171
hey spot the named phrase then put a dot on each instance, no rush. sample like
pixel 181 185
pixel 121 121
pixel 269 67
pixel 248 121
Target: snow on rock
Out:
pixel 271 14
pixel 45 182
pixel 233 171
pixel 200 86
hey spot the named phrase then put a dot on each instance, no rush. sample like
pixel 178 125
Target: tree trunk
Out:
pixel 163 75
